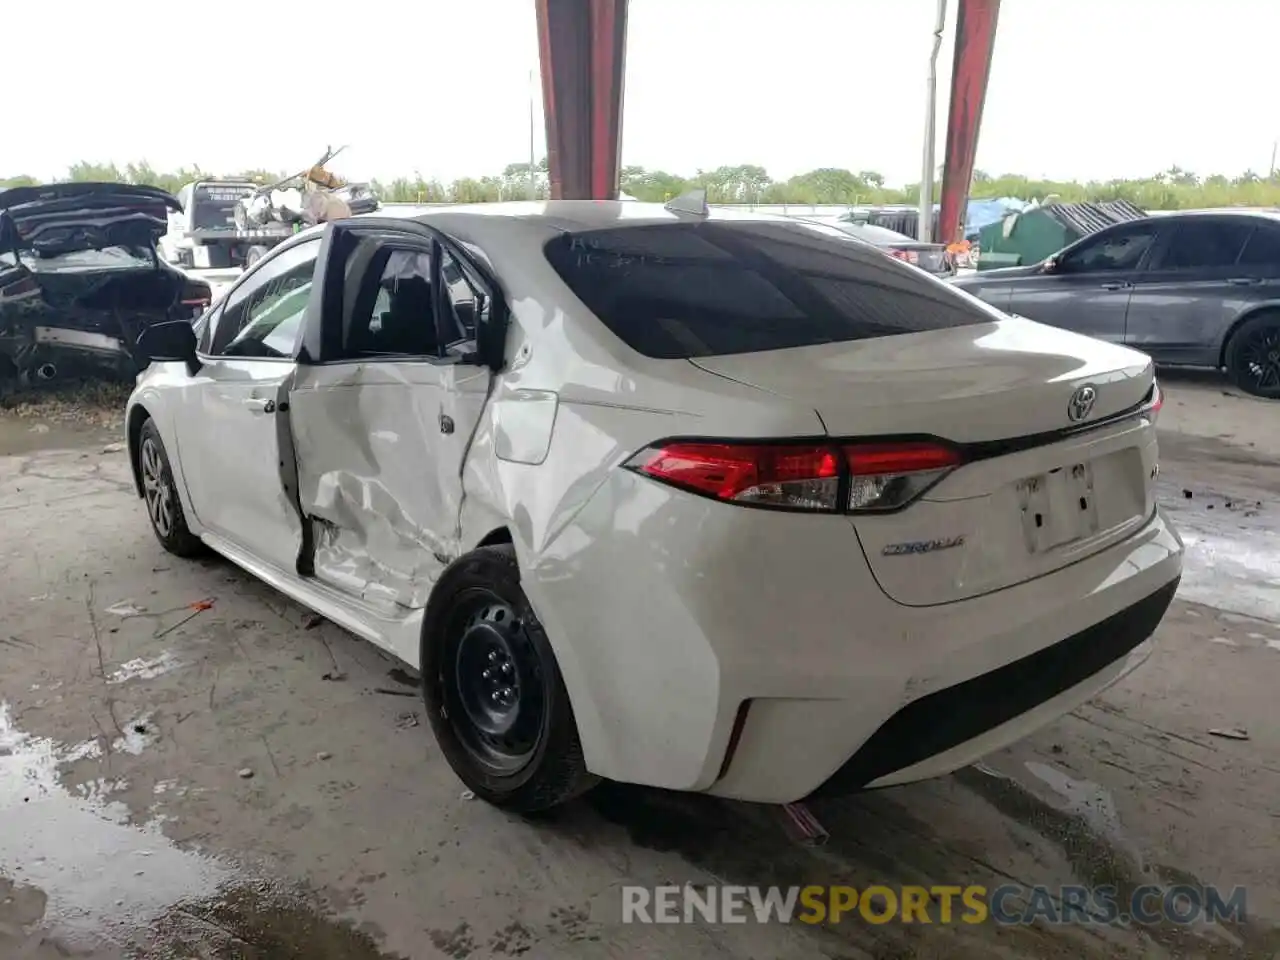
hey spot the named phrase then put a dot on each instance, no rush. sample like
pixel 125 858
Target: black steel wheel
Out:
pixel 1253 356
pixel 494 694
pixel 160 494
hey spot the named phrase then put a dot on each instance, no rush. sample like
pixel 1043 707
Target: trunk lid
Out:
pixel 1038 489
pixel 68 217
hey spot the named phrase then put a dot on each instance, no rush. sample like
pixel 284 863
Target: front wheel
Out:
pixel 160 494
pixel 493 691
pixel 1253 356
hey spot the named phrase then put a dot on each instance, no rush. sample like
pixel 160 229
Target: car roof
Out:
pixel 1268 213
pixel 576 215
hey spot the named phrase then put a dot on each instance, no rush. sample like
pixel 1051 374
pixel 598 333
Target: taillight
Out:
pixel 907 256
pixel 20 288
pixel 832 478
pixel 799 477
pixel 888 476
pixel 1154 401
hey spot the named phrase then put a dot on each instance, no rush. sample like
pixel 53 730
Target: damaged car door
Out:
pixel 388 394
pixel 239 464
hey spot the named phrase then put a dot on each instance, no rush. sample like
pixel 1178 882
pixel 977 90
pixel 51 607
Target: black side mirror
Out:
pixel 172 340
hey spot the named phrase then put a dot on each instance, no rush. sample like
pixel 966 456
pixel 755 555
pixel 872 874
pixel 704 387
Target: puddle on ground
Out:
pixel 78 879
pixel 1232 555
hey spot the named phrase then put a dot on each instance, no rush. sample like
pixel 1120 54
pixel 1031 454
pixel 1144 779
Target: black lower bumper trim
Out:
pixel 950 717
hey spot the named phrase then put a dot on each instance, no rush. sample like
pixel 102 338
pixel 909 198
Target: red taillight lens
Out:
pixel 888 476
pixel 801 476
pixel 1155 400
pixel 21 288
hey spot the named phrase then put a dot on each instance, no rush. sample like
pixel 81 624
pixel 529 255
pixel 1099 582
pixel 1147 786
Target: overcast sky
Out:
pixel 1080 89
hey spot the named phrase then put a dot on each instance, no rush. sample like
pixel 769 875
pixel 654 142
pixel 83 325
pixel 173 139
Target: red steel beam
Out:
pixel 581 46
pixel 975 42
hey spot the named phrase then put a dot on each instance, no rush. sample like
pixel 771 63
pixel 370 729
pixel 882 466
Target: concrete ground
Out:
pixel 193 767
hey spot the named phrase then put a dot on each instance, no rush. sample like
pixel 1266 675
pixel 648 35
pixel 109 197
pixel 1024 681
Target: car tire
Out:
pixel 1253 356
pixel 160 495
pixel 254 254
pixel 493 690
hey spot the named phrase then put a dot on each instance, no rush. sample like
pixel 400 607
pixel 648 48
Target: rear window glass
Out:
pixel 213 205
pixel 675 291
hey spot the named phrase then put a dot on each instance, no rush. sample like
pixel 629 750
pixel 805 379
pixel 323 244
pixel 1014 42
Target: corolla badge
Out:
pixel 1081 403
pixel 921 546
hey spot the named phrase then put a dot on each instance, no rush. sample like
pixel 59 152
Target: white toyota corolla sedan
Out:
pixel 706 501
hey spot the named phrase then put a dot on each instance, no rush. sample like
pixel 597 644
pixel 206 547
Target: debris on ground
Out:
pixel 113 448
pixel 1187 494
pixel 1232 733
pixel 468 795
pixel 324 755
pixel 196 608
pixel 312 621
pixel 802 826
pixel 97 403
pixel 244 773
pixel 406 720
pixel 333 676
pixel 394 693
pixel 126 608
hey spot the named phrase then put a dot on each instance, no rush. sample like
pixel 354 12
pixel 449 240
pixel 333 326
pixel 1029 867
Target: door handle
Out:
pixel 1116 285
pixel 1244 281
pixel 260 405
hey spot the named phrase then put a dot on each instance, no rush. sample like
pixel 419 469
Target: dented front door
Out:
pixel 382 413
pixel 379 448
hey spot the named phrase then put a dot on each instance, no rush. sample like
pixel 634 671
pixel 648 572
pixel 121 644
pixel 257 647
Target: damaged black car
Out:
pixel 80 278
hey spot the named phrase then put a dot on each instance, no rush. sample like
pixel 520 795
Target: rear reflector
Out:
pixel 855 477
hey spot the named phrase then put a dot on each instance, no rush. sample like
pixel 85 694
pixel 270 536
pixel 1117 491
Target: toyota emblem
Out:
pixel 1081 403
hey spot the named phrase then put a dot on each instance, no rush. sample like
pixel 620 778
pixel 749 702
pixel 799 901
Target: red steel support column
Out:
pixel 971 68
pixel 581 47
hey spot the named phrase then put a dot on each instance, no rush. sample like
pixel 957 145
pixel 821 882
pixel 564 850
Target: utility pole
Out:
pixel 924 232
pixel 533 183
pixel 1274 144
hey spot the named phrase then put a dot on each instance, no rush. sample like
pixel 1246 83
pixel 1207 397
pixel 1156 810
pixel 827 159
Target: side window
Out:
pixel 263 316
pixel 1205 244
pixel 393 314
pixel 1262 248
pixel 1118 250
pixel 470 303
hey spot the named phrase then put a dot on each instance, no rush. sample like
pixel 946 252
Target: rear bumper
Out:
pixel 955 726
pixel 751 654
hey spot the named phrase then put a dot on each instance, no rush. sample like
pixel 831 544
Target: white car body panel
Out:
pixel 667 610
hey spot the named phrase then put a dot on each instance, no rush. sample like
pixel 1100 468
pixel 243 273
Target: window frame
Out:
pixel 322 336
pixel 250 281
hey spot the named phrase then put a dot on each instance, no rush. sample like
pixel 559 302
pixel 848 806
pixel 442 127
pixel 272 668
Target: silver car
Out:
pixel 1194 288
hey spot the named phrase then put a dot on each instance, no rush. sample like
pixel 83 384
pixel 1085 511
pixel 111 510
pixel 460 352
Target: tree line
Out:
pixel 1171 189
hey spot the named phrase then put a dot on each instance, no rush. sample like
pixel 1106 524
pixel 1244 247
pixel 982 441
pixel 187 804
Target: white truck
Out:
pixel 204 235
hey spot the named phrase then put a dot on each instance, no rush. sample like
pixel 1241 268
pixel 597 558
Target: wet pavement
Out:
pixel 191 767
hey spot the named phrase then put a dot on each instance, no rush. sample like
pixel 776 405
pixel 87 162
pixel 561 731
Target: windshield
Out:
pixel 213 205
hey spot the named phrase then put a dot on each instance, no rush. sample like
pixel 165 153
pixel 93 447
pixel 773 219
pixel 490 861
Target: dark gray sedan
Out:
pixel 1196 288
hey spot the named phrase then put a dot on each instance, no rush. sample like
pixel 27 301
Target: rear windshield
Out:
pixel 213 205
pixel 676 291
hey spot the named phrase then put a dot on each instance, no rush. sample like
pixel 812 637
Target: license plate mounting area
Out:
pixel 1058 507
